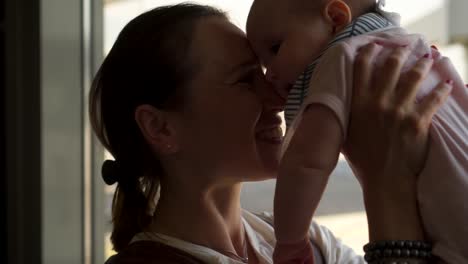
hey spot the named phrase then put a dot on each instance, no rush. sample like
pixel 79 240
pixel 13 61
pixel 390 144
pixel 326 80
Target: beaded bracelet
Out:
pixel 376 252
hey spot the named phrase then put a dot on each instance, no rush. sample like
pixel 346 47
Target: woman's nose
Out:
pixel 270 97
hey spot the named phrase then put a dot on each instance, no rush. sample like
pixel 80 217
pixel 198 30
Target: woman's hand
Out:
pixel 387 139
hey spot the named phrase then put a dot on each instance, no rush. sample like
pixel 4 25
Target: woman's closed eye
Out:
pixel 247 78
pixel 246 75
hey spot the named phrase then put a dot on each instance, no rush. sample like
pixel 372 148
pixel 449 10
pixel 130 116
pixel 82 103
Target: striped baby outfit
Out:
pixel 362 25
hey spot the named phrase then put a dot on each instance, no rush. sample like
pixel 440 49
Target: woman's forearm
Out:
pixel 392 211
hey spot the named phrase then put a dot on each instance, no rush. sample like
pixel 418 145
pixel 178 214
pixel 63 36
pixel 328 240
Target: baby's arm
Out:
pixel 310 158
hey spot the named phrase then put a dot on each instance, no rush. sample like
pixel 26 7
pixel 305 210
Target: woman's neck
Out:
pixel 211 218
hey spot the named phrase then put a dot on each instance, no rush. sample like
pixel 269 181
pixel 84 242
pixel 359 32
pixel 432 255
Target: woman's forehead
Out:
pixel 222 44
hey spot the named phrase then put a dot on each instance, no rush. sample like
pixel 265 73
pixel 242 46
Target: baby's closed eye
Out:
pixel 275 48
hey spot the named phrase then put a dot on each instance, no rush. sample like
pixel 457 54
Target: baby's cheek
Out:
pixel 285 70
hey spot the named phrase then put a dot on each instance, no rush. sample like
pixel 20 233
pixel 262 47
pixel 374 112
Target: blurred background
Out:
pixel 57 208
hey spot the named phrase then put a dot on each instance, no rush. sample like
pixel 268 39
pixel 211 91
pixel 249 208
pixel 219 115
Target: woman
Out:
pixel 181 103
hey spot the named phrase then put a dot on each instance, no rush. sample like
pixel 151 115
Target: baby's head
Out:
pixel 288 34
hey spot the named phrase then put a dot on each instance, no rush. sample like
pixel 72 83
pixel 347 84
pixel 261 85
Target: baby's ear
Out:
pixel 338 13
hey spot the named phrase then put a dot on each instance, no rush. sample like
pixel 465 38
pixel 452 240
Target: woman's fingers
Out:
pixel 432 102
pixel 391 76
pixel 363 69
pixel 410 83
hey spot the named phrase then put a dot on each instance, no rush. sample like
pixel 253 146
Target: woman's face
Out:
pixel 230 124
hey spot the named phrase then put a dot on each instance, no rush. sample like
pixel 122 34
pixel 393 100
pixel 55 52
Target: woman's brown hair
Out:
pixel 148 64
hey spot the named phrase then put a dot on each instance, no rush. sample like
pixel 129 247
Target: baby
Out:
pixel 308 48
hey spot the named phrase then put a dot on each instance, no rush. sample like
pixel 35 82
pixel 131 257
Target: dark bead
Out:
pixel 400 244
pixel 380 244
pixel 409 244
pixel 417 244
pixel 427 246
pixel 377 253
pixel 423 254
pixel 415 253
pixel 397 252
pixel 368 257
pixel 387 253
pixel 366 247
pixel 405 253
pixel 392 244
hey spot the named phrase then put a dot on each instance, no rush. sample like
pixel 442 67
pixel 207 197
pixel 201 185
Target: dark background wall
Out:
pixel 3 191
pixel 48 52
pixel 21 131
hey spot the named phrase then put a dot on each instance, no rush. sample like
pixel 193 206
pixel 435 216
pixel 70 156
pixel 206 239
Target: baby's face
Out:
pixel 284 42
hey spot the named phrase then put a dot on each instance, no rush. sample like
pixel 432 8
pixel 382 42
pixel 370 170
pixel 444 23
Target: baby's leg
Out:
pixel 297 253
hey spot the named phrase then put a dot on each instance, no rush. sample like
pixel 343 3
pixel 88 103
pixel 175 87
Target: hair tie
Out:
pixel 110 172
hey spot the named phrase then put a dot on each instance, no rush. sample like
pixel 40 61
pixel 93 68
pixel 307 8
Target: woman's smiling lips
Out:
pixel 272 135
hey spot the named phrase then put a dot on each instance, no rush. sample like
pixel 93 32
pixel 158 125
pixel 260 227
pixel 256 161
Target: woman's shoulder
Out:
pixel 152 252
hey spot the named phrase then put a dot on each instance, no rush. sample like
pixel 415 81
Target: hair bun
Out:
pixel 110 172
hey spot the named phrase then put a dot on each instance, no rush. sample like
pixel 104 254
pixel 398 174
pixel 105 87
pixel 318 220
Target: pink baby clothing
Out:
pixel 443 183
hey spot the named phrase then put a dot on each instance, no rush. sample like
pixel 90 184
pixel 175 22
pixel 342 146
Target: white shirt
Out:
pixel 262 239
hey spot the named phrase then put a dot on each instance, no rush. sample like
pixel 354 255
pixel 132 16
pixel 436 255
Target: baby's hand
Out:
pixel 294 253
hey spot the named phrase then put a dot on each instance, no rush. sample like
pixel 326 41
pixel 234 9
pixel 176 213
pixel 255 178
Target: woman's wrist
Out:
pixel 392 209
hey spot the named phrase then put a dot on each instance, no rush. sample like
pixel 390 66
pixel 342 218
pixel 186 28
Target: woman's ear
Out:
pixel 338 14
pixel 156 128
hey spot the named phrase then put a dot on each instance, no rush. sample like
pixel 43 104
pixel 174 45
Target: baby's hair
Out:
pixel 314 7
pixel 358 7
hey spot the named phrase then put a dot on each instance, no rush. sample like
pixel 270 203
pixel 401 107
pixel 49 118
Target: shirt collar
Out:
pixel 364 24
